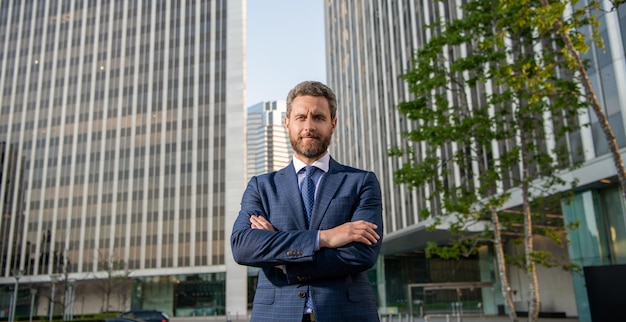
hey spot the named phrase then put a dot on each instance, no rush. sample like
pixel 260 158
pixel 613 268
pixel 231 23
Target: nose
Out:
pixel 308 123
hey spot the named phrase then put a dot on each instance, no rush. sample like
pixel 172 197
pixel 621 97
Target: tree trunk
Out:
pixel 504 281
pixel 602 118
pixel 595 105
pixel 531 271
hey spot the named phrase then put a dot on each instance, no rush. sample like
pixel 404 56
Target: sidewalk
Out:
pixel 393 318
pixel 490 318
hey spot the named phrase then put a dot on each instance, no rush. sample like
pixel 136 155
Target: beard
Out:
pixel 313 149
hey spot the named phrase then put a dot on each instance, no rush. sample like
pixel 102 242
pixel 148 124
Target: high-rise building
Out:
pixel 128 116
pixel 12 200
pixel 369 45
pixel 267 140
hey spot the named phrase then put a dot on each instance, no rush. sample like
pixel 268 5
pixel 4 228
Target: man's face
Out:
pixel 310 127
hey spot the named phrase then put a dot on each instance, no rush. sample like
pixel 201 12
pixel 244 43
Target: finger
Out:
pixel 367 237
pixel 257 219
pixel 261 220
pixel 374 235
pixel 257 222
pixel 365 240
pixel 368 229
pixel 366 224
pixel 371 236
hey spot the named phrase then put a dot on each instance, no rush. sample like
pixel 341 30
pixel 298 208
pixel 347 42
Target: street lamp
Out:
pixel 18 274
pixel 33 293
pixel 69 300
pixel 53 279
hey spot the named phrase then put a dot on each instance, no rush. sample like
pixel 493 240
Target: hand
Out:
pixel 355 231
pixel 259 222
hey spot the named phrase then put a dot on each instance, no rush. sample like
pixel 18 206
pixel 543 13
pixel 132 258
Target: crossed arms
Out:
pixel 354 231
pixel 349 241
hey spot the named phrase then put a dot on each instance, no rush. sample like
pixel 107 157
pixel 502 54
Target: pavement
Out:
pixel 471 318
pixel 393 318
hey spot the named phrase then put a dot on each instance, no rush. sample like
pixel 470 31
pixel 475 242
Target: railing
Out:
pixel 455 311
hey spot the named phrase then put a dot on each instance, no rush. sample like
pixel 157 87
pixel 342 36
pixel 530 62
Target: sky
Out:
pixel 285 45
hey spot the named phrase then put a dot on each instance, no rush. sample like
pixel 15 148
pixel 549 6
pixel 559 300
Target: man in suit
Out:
pixel 312 269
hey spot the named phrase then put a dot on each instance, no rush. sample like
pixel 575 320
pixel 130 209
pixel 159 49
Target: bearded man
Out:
pixel 314 228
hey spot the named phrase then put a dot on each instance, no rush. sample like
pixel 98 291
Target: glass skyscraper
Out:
pixel 121 128
pixel 369 45
pixel 268 146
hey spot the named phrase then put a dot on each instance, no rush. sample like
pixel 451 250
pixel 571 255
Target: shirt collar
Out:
pixel 322 163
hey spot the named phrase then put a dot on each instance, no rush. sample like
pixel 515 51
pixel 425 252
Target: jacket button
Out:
pixel 302 294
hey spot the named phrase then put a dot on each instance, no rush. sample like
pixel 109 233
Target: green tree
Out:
pixel 551 19
pixel 495 98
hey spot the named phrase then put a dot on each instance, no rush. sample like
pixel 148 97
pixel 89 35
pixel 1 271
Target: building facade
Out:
pixel 128 116
pixel 267 140
pixel 369 45
pixel 267 149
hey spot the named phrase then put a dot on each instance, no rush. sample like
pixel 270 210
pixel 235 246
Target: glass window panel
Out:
pixel 609 90
pixel 615 224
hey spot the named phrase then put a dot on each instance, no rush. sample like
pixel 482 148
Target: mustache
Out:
pixel 309 135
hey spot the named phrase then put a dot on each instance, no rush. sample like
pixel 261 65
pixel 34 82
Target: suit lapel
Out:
pixel 287 186
pixel 331 181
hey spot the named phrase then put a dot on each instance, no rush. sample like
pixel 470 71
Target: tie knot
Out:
pixel 309 170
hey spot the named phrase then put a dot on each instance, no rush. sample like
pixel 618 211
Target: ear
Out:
pixel 286 120
pixel 334 125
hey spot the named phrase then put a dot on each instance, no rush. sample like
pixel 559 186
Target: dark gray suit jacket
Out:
pixel 336 277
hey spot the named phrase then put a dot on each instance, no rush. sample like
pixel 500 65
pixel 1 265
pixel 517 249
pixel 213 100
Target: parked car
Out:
pixel 119 319
pixel 146 316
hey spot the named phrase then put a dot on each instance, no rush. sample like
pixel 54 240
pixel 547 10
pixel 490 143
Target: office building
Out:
pixel 12 203
pixel 267 140
pixel 369 45
pixel 122 135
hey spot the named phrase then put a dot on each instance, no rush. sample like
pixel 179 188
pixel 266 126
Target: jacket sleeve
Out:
pixel 263 248
pixel 352 258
